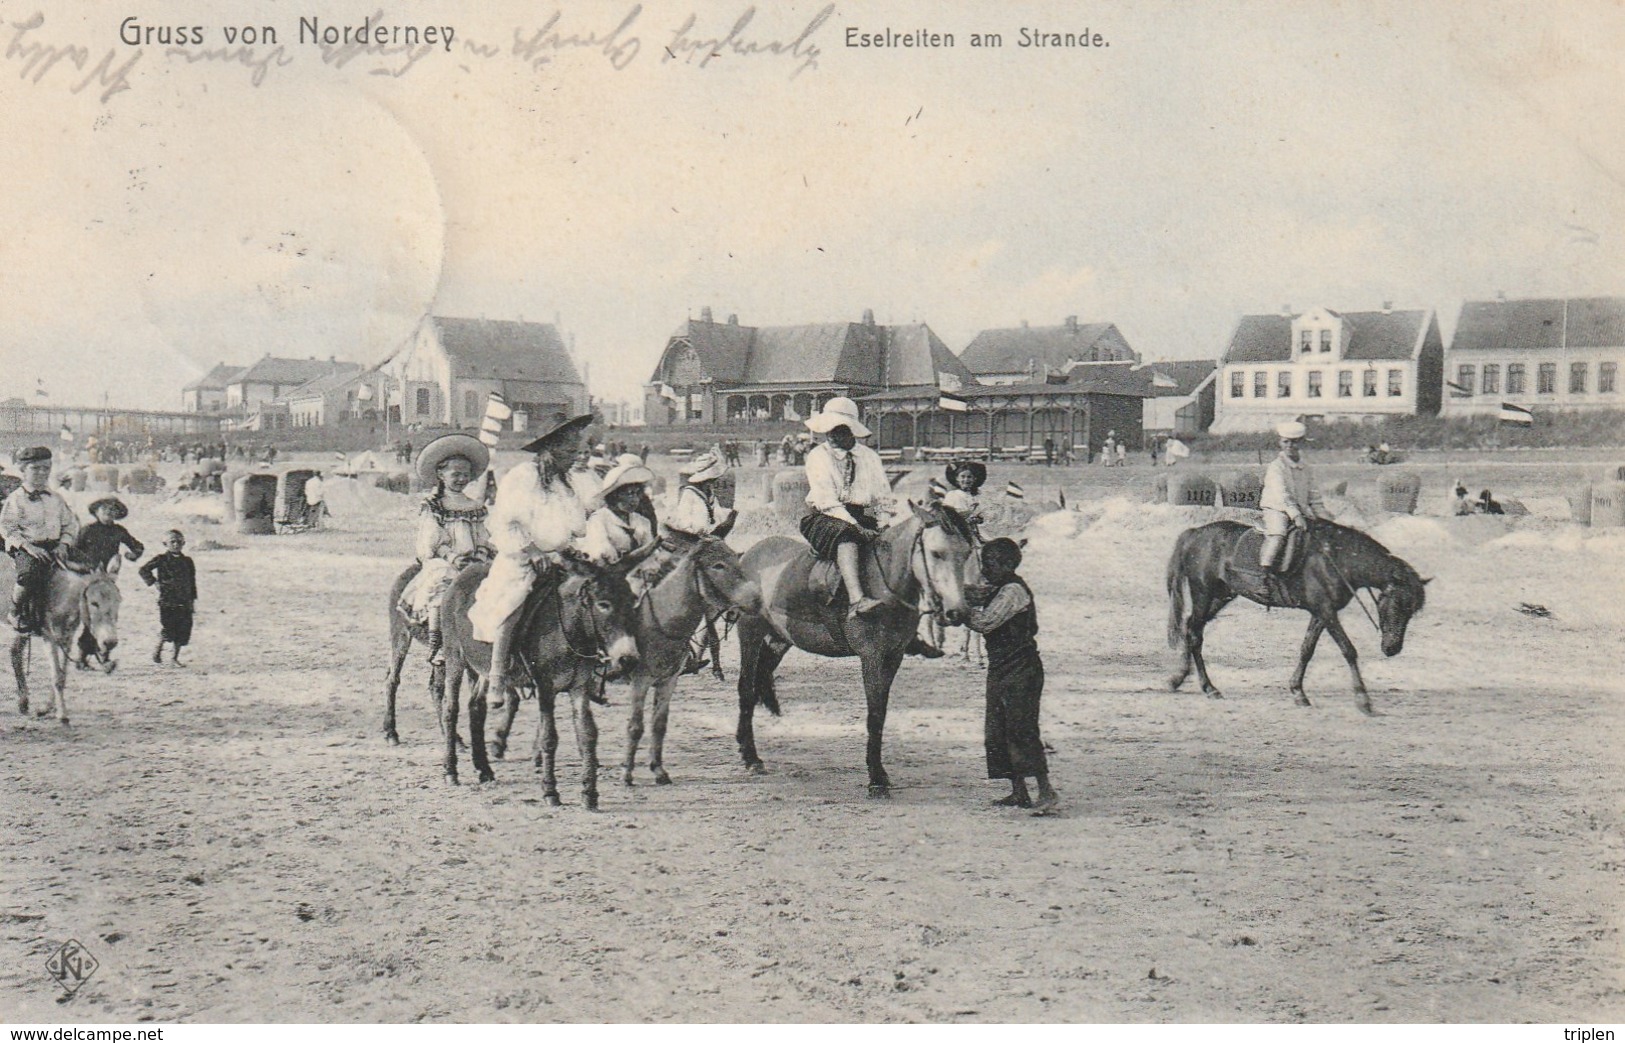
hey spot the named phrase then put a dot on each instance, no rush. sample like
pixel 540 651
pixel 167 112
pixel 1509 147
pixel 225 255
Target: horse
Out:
pixel 582 627
pixel 73 600
pixel 923 554
pixel 1214 563
pixel 706 579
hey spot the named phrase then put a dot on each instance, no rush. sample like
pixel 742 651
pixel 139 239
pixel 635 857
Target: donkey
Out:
pixel 706 579
pixel 580 635
pixel 924 554
pixel 74 601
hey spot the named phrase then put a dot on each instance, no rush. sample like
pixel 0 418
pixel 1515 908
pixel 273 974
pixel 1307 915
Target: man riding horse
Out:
pixel 38 528
pixel 536 517
pixel 1290 499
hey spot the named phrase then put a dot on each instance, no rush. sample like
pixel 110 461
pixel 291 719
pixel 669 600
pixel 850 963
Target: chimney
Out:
pixel 1387 307
pixel 868 316
pixel 1072 324
pixel 733 320
pixel 1286 309
pixel 1501 295
pixel 705 313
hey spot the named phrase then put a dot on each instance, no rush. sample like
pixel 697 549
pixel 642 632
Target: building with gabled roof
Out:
pixel 1552 353
pixel 1183 396
pixel 270 378
pixel 207 394
pixel 448 370
pixel 1329 365
pixel 718 372
pixel 1025 354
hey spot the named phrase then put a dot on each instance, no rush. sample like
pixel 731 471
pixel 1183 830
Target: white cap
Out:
pixel 1291 429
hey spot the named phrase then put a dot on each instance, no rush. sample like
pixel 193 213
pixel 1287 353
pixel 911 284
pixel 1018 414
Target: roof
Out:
pixel 850 353
pixel 1586 322
pixel 1114 380
pixel 289 372
pixel 214 380
pixel 499 349
pixel 1011 350
pixel 1187 376
pixel 344 374
pixel 1370 336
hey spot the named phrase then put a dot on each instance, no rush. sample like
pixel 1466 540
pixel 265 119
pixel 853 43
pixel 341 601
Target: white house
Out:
pixel 452 365
pixel 1553 354
pixel 1328 365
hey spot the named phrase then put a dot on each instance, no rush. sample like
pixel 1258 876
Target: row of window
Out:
pixel 1489 379
pixel 1306 341
pixel 1315 385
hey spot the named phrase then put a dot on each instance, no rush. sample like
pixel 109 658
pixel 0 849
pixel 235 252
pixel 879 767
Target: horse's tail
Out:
pixel 1176 594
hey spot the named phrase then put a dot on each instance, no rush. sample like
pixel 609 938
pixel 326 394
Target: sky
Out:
pixel 600 165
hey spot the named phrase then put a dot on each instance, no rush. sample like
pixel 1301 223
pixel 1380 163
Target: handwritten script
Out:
pixel 37 59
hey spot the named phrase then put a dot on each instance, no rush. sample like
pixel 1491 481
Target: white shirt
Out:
pixel 313 491
pixel 609 538
pixel 693 514
pixel 1290 489
pixel 527 516
pixel 828 489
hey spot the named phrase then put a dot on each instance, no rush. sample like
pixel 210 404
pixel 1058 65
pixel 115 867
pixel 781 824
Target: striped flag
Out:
pixel 1511 414
pixel 936 488
pixel 1015 492
pixel 951 402
pixel 496 412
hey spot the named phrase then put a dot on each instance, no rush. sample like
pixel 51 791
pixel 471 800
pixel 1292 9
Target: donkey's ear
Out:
pixel 1426 581
pixel 1022 542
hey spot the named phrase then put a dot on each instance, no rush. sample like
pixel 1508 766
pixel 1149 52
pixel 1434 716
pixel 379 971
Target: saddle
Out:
pixel 1246 576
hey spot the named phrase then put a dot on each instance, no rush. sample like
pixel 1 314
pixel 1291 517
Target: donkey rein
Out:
pixel 1353 591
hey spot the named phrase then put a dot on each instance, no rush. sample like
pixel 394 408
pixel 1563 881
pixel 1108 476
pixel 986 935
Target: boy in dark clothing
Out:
pixel 1003 611
pixel 96 545
pixel 176 578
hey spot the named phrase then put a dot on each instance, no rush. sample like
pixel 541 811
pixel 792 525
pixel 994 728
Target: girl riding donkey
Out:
pixel 451 529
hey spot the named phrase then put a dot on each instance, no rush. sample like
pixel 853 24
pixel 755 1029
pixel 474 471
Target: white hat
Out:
pixel 628 459
pixel 703 468
pixel 1291 429
pixel 836 413
pixel 623 475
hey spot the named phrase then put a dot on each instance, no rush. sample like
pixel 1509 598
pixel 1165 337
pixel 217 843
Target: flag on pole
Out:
pixel 937 488
pixel 1457 390
pixel 951 402
pixel 39 388
pixel 1511 414
pixel 1015 492
pixel 496 412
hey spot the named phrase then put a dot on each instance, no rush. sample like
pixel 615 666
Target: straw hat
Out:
pixel 622 475
pixel 573 426
pixel 838 412
pixel 1290 429
pixel 975 467
pixel 703 468
pixel 441 449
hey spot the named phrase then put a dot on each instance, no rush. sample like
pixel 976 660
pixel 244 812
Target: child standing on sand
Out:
pixel 176 579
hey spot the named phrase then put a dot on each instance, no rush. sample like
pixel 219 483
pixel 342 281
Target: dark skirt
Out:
pixel 1014 688
pixel 825 533
pixel 176 621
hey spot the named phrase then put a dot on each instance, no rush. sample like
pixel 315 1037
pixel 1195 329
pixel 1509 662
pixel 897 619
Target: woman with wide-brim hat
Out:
pixel 618 530
pixel 846 489
pixel 536 516
pixel 451 531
